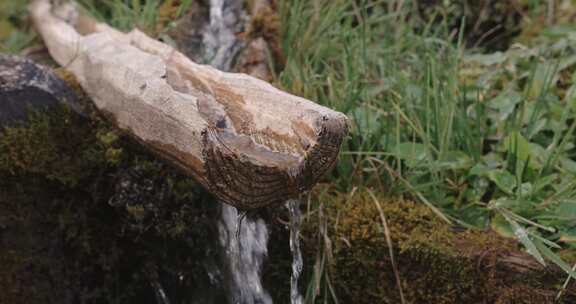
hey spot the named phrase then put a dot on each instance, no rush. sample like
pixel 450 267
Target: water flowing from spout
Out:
pixel 243 239
pixel 161 297
pixel 245 242
pixel 295 219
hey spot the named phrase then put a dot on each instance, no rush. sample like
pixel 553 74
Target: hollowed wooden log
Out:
pixel 247 142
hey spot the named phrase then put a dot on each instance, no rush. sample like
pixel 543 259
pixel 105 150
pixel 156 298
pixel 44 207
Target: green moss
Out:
pixel 58 146
pixel 87 216
pixel 436 262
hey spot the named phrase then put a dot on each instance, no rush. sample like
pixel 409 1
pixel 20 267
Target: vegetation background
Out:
pixel 463 139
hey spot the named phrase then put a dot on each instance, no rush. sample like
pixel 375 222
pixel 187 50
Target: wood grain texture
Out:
pixel 248 143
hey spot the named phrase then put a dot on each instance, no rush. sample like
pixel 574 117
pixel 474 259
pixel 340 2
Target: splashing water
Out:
pixel 220 36
pixel 161 297
pixel 295 219
pixel 243 239
pixel 245 250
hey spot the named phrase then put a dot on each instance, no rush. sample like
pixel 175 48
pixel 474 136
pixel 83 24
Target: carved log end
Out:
pixel 248 175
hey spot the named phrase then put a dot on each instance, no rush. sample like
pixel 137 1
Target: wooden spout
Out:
pixel 248 143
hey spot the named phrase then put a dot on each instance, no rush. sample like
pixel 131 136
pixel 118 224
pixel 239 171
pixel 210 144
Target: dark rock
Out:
pixel 25 85
pixel 87 216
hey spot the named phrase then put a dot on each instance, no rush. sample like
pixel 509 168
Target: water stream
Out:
pixel 161 297
pixel 295 219
pixel 220 42
pixel 245 244
pixel 243 239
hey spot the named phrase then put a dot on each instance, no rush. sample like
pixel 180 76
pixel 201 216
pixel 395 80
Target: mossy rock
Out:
pixel 436 262
pixel 87 216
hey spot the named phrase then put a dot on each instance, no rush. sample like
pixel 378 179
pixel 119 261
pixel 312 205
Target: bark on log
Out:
pixel 247 142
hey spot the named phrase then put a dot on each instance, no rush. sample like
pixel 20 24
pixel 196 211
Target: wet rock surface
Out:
pixel 25 85
pixel 86 216
pixel 114 230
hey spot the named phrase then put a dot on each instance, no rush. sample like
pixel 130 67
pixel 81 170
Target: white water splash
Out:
pixel 297 263
pixel 245 249
pixel 161 297
pixel 220 36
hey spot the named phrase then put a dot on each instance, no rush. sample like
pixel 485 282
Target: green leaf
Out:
pixel 487 59
pixel 566 210
pixel 517 144
pixel 411 152
pixel 554 258
pixel 568 164
pixel 568 236
pixel 559 31
pixel 504 104
pixel 501 226
pixel 536 127
pixel 525 239
pixel 544 76
pixel 493 160
pixel 504 180
pixel 536 237
pixel 474 215
pixel 525 189
pixel 543 182
pixel 455 160
pixel 367 121
pixel 479 170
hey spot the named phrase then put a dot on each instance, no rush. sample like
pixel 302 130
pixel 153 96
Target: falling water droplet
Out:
pixel 295 219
